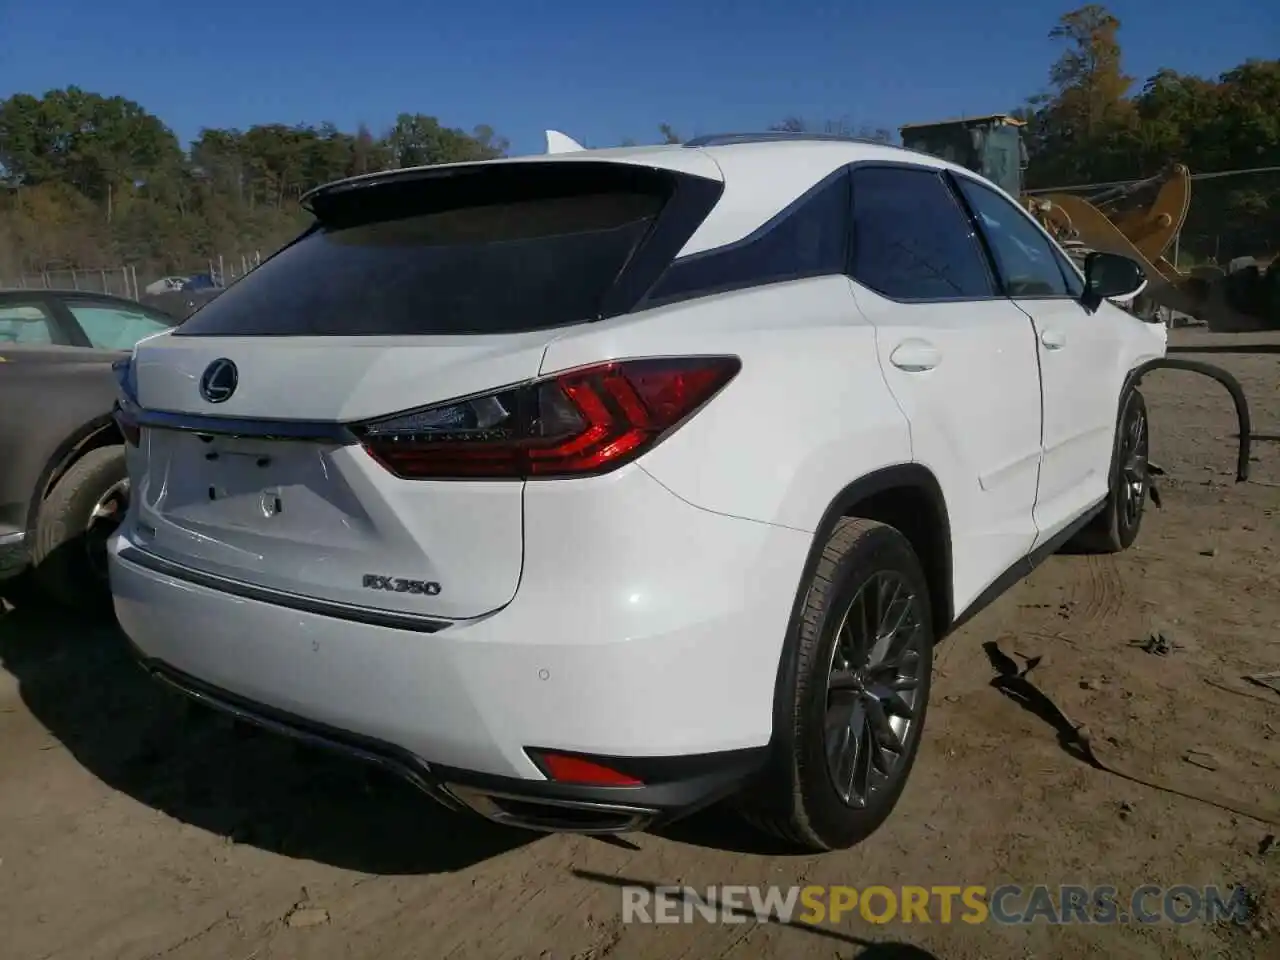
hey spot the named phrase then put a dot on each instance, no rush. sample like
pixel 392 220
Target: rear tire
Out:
pixel 857 674
pixel 69 556
pixel 1116 527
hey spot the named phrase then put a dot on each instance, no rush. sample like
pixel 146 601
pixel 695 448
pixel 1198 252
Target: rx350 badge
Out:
pixel 373 581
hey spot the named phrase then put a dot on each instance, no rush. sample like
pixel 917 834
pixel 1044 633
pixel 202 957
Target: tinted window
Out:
pixel 500 263
pixel 1025 258
pixel 28 323
pixel 113 327
pixel 807 240
pixel 912 240
pixel 1070 273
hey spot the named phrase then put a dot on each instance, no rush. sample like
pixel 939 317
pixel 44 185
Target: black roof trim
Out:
pixel 513 166
pixel 381 177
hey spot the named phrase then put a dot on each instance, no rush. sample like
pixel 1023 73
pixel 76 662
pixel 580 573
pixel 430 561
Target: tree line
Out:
pixel 90 180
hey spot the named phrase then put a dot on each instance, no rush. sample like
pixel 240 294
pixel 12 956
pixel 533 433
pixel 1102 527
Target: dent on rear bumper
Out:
pixel 643 627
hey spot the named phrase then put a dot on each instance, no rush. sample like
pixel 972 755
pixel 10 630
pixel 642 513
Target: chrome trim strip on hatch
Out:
pixel 12 539
pixel 326 431
pixel 281 598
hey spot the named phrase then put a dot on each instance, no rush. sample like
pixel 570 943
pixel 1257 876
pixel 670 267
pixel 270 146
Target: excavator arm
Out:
pixel 1246 298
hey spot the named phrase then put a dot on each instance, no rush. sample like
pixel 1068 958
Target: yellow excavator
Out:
pixel 1244 298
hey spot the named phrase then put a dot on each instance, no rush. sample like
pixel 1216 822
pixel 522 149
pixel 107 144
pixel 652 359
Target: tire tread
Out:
pixel 789 819
pixel 56 528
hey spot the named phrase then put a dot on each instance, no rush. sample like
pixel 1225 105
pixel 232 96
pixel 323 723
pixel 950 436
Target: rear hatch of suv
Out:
pixel 415 299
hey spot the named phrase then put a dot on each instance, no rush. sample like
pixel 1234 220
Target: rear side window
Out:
pixel 807 240
pixel 912 240
pixel 489 251
pixel 28 323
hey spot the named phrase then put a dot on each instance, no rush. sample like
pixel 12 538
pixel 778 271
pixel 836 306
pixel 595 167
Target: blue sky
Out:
pixel 597 71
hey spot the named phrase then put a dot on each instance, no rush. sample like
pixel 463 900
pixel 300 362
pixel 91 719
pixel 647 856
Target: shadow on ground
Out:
pixel 721 828
pixel 150 743
pixel 894 951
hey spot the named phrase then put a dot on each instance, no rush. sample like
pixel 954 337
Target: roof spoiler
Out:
pixel 558 142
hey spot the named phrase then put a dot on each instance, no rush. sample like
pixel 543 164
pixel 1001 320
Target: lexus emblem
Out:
pixel 219 380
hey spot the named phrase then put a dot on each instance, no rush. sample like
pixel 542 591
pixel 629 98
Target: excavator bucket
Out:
pixel 1092 229
pixel 1153 229
pixel 1148 230
pixel 1237 301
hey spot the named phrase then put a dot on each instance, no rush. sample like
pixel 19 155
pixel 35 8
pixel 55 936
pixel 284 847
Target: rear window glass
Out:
pixel 470 262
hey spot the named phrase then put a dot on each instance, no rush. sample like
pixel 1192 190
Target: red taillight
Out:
pixel 581 422
pixel 567 769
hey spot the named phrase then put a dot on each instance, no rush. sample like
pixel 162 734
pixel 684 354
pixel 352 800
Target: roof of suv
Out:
pixel 762 172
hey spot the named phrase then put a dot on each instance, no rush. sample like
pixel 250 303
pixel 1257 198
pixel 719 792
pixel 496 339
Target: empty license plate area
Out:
pixel 271 488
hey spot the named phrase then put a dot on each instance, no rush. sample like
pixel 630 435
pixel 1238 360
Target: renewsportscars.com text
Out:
pixel 1005 904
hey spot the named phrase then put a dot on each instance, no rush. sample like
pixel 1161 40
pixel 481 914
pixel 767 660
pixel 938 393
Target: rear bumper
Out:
pixel 673 787
pixel 644 629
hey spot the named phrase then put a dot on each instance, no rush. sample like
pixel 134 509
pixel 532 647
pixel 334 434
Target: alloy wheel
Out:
pixel 873 683
pixel 1135 468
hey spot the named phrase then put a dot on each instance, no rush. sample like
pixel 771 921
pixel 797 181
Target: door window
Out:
pixel 113 327
pixel 912 240
pixel 1024 256
pixel 28 323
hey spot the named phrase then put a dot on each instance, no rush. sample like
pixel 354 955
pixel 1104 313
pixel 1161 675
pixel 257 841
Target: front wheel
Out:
pixel 855 693
pixel 1116 527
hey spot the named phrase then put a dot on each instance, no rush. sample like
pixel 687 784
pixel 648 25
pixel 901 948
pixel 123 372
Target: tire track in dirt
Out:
pixel 1097 592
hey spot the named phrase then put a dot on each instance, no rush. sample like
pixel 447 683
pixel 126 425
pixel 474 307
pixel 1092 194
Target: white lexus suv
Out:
pixel 584 490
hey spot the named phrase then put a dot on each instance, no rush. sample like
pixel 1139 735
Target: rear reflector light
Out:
pixel 566 769
pixel 581 422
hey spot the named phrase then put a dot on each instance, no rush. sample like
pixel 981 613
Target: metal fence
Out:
pixel 127 280
pixel 121 281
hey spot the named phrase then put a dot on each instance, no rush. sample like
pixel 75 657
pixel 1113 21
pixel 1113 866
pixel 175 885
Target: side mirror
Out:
pixel 1109 276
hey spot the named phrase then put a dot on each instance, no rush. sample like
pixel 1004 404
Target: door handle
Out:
pixel 1053 339
pixel 915 356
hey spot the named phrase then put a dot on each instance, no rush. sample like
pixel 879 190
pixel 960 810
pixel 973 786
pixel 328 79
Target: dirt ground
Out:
pixel 134 827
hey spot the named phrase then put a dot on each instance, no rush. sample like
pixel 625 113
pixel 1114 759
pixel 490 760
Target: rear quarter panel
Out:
pixel 808 414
